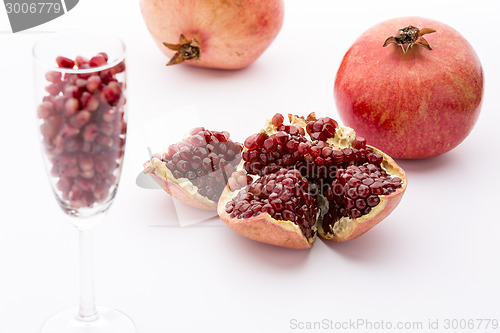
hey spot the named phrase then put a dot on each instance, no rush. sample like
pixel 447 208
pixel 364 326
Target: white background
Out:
pixel 436 257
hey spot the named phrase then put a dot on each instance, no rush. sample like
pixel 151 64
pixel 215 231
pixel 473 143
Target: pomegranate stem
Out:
pixel 409 36
pixel 186 50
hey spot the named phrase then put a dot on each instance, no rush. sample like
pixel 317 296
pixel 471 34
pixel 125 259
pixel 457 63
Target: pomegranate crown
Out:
pixel 409 36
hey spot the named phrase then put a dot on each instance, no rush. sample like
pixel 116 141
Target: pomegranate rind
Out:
pixel 263 228
pixel 183 191
pixel 346 229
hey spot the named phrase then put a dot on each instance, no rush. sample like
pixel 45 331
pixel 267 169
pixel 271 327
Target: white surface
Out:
pixel 436 257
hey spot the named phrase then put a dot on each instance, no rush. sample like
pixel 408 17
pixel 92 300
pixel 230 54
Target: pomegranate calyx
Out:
pixel 186 50
pixel 409 36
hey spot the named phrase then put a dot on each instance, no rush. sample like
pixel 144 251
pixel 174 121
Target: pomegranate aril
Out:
pixel 98 60
pixel 270 144
pixel 64 62
pixel 359 142
pixel 277 119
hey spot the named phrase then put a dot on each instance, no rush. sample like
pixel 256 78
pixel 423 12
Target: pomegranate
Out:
pixel 213 33
pixel 196 169
pixel 411 86
pixel 307 178
pixel 83 129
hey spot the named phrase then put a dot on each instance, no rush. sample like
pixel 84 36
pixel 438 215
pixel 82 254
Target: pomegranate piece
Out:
pixel 85 147
pixel 439 81
pixel 321 180
pixel 196 169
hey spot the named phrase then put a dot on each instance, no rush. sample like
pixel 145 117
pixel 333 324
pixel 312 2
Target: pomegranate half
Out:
pixel 307 178
pixel 411 86
pixel 213 33
pixel 196 169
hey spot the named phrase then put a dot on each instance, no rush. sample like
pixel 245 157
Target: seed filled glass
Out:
pixel 80 95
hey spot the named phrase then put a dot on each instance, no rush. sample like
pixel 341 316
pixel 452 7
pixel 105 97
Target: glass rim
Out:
pixel 78 70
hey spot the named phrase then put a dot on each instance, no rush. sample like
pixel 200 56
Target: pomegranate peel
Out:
pixel 263 228
pixel 181 190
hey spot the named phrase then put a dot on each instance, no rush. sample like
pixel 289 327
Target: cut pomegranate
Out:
pixel 84 147
pixel 196 169
pixel 309 177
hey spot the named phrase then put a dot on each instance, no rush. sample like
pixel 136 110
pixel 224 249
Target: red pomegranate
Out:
pixel 307 178
pixel 411 86
pixel 213 33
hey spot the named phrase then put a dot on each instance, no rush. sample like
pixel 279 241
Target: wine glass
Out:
pixel 80 89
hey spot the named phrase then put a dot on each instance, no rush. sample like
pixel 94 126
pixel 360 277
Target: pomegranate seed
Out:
pixel 250 143
pixel 281 137
pixel 270 144
pixel 97 61
pixel 53 76
pixel 71 107
pixel 359 143
pixel 80 61
pixel 80 119
pixel 64 62
pixel 277 119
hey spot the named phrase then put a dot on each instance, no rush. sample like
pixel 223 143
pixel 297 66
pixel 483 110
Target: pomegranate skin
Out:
pixel 232 34
pixel 158 172
pixel 415 105
pixel 263 228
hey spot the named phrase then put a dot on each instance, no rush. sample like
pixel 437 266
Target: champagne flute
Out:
pixel 80 88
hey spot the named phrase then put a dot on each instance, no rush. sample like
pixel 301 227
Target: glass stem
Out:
pixel 87 311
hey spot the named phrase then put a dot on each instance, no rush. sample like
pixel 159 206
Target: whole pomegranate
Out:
pixel 224 34
pixel 307 178
pixel 411 86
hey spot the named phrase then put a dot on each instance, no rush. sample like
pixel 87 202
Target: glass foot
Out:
pixel 108 321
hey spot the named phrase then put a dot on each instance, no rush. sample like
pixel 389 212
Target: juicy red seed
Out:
pixel 260 138
pixel 104 55
pixel 292 145
pixel 97 61
pixel 319 161
pixel 363 191
pixel 315 151
pixel 79 61
pixel 348 155
pixel 270 144
pixel 64 62
pixel 281 137
pixel 337 156
pixel 250 142
pixel 377 188
pixel 302 148
pixel 326 151
pixel 359 143
pixel 375 158
pixel 372 200
pixel 277 119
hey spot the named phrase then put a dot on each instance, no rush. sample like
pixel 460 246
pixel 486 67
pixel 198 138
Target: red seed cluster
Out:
pixel 351 179
pixel 267 154
pixel 206 158
pixel 322 128
pixel 356 190
pixel 283 195
pixel 83 129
